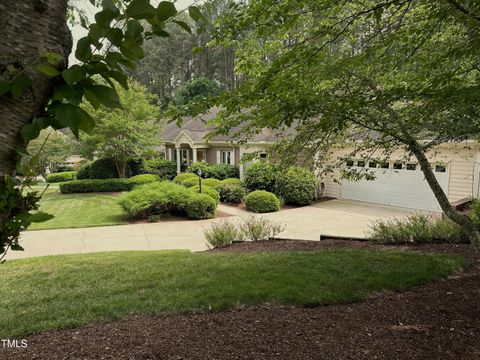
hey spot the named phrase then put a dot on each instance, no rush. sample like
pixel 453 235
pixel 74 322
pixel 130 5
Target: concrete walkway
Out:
pixel 335 217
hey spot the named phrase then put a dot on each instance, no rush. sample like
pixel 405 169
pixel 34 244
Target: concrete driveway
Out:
pixel 334 217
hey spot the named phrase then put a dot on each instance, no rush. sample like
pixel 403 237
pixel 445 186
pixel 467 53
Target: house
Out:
pixel 186 144
pixel 399 181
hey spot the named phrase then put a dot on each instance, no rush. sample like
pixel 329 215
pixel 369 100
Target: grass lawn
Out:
pixel 64 291
pixel 78 210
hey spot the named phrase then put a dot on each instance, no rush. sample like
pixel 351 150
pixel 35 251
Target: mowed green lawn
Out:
pixel 65 291
pixel 78 210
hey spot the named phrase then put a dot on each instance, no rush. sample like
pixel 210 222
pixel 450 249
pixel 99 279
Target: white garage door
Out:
pixel 396 184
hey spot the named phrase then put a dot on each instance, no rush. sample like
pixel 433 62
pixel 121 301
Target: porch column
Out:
pixel 194 151
pixel 240 164
pixel 179 168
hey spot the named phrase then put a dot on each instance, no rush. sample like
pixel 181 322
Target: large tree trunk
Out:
pixel 28 29
pixel 454 215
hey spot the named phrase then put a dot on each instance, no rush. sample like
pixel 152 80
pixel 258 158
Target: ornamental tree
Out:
pixel 377 75
pixel 38 88
pixel 132 131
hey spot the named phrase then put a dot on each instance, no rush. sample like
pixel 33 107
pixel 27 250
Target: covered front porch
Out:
pixel 186 154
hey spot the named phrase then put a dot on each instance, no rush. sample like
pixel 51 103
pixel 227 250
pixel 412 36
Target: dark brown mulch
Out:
pixel 437 321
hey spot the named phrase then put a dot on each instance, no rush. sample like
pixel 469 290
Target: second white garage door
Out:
pixel 400 185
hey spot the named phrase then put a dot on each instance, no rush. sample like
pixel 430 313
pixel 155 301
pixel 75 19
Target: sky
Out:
pixel 78 32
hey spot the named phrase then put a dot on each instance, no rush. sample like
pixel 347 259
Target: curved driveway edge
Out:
pixel 335 217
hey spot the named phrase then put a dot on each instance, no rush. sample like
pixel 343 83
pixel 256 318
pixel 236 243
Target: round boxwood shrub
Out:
pixel 166 169
pixel 208 191
pixel 103 169
pixel 261 201
pixel 199 206
pixel 261 175
pixel 232 181
pixel 184 176
pixel 296 186
pixel 84 172
pixel 61 176
pixel 230 193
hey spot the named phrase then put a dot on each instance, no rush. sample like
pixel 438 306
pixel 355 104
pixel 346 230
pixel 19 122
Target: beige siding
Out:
pixel 460 162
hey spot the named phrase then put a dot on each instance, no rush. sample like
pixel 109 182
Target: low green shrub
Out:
pixel 261 175
pixel 84 172
pixel 159 198
pixel 262 201
pixel 211 182
pixel 184 176
pixel 167 170
pixel 230 193
pixel 416 229
pixel 199 206
pixel 218 171
pixel 232 181
pixel 222 171
pixel 197 166
pixel 103 169
pixel 254 228
pixel 296 186
pixel 61 176
pixel 257 228
pixel 105 185
pixel 191 181
pixel 222 233
pixel 167 198
pixel 207 190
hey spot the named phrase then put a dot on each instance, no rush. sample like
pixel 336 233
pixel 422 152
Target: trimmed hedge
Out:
pixel 106 185
pixel 61 176
pixel 230 193
pixel 165 198
pixel 208 191
pixel 261 175
pixel 218 171
pixel 166 169
pixel 296 186
pixel 262 201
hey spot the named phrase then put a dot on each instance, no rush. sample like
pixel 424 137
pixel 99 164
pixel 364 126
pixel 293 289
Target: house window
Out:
pixel 397 166
pixel 440 168
pixel 411 167
pixel 385 165
pixel 263 155
pixel 350 163
pixel 360 163
pixel 173 154
pixel 372 164
pixel 226 157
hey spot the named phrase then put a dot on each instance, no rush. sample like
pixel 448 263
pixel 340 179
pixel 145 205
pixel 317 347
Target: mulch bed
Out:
pixel 436 321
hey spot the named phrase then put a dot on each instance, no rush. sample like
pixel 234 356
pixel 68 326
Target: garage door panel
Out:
pixel 403 188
